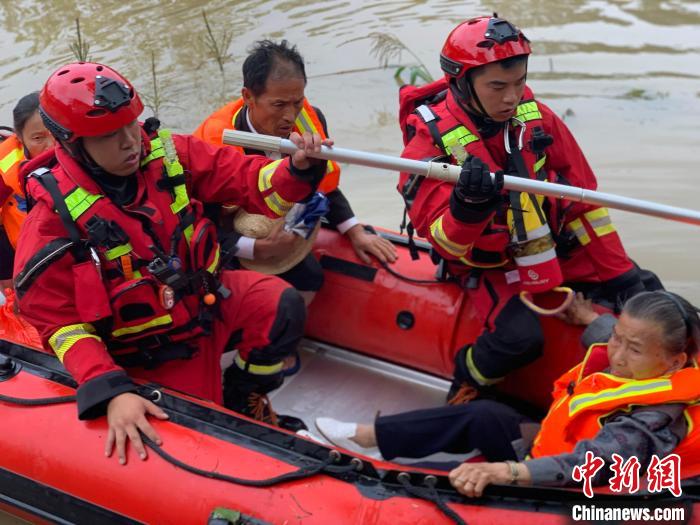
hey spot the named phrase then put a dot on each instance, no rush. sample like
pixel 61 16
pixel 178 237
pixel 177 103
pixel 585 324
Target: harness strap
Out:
pixel 48 181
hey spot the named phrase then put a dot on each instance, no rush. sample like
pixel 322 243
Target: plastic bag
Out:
pixel 13 327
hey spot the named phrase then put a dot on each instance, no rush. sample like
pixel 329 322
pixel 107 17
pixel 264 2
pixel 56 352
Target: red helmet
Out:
pixel 481 41
pixel 85 99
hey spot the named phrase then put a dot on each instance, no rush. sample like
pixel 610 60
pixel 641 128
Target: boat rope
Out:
pixel 303 472
pixel 409 279
pixel 37 401
pixel 428 493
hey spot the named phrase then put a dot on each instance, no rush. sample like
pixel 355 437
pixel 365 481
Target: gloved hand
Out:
pixel 475 185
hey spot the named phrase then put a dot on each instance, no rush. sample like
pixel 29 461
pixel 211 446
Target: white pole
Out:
pixel 448 172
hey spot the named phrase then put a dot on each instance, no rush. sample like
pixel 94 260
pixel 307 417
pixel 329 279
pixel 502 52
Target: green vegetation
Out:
pixel 80 48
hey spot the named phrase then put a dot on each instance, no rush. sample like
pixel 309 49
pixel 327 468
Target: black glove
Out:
pixel 476 194
pixel 475 185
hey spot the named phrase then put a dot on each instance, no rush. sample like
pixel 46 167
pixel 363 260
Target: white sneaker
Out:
pixel 314 437
pixel 339 433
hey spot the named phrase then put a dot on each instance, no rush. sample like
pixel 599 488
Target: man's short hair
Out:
pixel 264 59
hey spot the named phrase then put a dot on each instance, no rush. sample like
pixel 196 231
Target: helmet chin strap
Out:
pixel 469 100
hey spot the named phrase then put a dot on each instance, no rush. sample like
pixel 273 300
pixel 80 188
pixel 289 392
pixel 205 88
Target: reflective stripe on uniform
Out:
pixel 79 201
pixel 528 111
pixel 459 136
pixel 631 389
pixel 118 251
pixel 64 338
pixel 305 123
pixel 599 219
pixel 215 263
pixel 259 370
pixel 539 164
pixel 153 323
pixel 265 175
pixel 157 151
pixel 11 159
pixel 451 247
pixel 474 371
pixel 579 230
pixel 173 168
pixel 277 204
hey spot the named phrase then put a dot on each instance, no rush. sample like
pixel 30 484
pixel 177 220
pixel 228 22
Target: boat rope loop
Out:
pixel 37 401
pixel 428 493
pixel 304 472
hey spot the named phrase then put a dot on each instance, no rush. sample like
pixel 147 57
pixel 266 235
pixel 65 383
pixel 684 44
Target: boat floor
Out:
pixel 347 386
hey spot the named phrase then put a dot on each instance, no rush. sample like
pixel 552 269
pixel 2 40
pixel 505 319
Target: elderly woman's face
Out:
pixel 636 350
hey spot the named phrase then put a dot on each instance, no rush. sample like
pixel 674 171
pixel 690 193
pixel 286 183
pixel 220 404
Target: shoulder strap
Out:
pixel 48 181
pixel 428 116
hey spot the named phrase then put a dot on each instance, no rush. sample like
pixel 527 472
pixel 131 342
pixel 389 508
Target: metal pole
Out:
pixel 450 173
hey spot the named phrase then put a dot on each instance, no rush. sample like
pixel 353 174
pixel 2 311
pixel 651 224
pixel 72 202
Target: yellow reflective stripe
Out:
pixel 173 168
pixel 64 338
pixel 458 136
pixel 599 219
pixel 79 201
pixel 187 232
pixel 538 165
pixel 277 204
pixel 157 151
pixel 153 323
pixel 305 123
pixel 260 370
pixel 451 247
pixel 118 251
pixel 265 175
pixel 12 158
pixel 212 267
pixel 528 111
pixel 630 389
pixel 137 274
pixel 579 230
pixel 474 371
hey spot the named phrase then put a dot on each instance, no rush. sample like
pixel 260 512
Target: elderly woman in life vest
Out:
pixel 635 395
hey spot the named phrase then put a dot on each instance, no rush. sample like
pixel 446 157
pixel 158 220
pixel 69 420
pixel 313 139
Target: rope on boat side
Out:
pixel 38 401
pixel 304 472
pixel 428 493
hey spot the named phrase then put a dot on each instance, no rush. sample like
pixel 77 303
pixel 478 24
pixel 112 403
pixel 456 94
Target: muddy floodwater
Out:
pixel 623 74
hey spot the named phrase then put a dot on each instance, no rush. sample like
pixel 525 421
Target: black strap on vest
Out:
pixel 428 116
pixel 521 171
pixel 48 181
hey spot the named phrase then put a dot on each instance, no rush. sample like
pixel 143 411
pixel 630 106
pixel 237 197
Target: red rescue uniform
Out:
pixel 82 308
pixel 466 239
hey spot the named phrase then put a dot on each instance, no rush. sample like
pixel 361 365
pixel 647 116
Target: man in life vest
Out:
pixel 30 138
pixel 272 102
pixel 119 271
pixel 503 245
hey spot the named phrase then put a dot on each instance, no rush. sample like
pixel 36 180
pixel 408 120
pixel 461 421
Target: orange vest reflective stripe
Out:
pixel 211 130
pixel 585 395
pixel 14 208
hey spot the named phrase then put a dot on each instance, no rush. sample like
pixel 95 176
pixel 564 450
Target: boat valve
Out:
pixel 430 481
pixel 8 368
pixel 335 456
pixel 357 463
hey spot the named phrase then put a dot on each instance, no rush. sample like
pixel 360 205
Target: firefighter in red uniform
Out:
pixel 504 245
pixel 117 268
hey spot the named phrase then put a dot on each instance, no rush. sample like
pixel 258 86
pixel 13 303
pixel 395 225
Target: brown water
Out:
pixel 625 74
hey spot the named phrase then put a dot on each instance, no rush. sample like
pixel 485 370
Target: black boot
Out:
pixel 246 394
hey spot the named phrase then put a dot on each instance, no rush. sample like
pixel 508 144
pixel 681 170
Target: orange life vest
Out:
pixel 14 210
pixel 211 130
pixel 586 395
